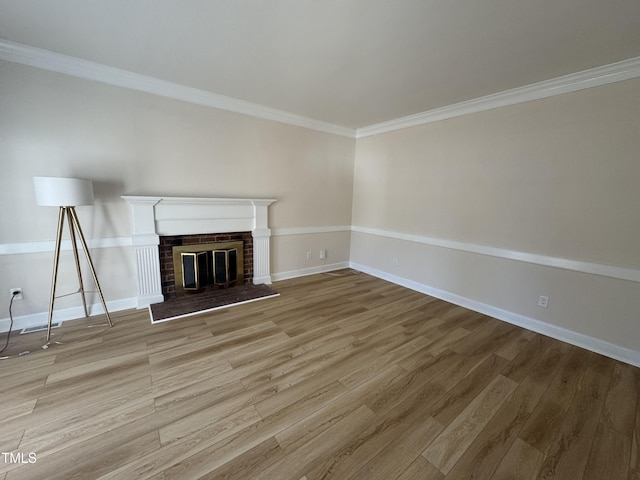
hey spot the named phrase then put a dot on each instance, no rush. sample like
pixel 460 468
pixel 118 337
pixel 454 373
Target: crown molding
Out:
pixel 594 77
pixel 56 62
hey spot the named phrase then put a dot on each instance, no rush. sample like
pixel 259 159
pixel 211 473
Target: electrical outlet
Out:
pixel 16 293
pixel 308 255
pixel 543 301
pixel 395 261
pixel 323 254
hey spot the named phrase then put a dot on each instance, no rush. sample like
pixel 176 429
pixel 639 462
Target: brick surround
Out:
pixel 167 243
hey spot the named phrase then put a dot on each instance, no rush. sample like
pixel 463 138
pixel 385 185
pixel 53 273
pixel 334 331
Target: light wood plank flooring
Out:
pixel 344 376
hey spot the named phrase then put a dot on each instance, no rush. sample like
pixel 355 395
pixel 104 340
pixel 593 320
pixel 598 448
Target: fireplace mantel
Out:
pixel 155 216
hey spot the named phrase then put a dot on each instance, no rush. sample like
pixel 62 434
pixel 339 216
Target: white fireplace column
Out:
pixel 145 240
pixel 156 216
pixel 261 242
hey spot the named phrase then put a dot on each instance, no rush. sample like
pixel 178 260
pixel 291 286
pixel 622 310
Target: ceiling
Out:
pixel 352 63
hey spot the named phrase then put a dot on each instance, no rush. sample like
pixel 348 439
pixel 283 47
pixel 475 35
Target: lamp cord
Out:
pixel 6 344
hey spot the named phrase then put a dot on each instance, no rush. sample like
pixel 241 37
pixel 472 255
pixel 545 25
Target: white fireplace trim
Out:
pixel 160 216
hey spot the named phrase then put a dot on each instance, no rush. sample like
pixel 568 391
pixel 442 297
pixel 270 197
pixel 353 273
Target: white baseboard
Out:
pixel 73 313
pixel 64 314
pixel 309 271
pixel 602 347
pixel 593 344
pixel 143 301
pixel 263 280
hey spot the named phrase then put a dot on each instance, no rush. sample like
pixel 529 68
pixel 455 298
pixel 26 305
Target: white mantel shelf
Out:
pixel 155 216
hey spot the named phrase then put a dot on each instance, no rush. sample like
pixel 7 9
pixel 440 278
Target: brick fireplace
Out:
pixel 167 263
pixel 155 218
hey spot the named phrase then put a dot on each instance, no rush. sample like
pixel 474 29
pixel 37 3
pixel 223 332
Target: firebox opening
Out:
pixel 191 264
pixel 207 265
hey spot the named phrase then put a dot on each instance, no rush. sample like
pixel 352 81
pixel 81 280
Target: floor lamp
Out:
pixel 67 193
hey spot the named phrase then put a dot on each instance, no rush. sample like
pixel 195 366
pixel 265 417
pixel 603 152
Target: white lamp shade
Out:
pixel 63 192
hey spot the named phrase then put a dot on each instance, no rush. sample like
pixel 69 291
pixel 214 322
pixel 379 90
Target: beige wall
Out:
pixel 556 178
pixel 129 142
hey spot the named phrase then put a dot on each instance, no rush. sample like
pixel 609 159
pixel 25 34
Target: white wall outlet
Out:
pixel 395 261
pixel 308 255
pixel 16 293
pixel 543 301
pixel 323 254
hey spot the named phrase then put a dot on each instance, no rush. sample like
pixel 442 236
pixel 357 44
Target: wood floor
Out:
pixel 342 376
